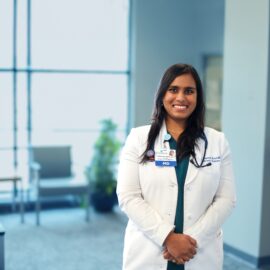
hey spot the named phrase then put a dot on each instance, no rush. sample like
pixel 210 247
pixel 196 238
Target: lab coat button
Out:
pixel 189 217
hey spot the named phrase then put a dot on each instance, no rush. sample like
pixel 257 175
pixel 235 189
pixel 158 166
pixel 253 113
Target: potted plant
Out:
pixel 101 171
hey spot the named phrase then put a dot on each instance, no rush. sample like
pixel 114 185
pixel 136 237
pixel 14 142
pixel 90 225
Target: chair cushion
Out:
pixel 63 186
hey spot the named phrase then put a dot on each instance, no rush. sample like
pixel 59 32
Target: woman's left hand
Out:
pixel 167 256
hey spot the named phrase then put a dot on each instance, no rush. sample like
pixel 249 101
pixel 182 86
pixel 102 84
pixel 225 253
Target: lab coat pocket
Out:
pixel 153 177
pixel 212 169
pixel 140 252
pixel 209 179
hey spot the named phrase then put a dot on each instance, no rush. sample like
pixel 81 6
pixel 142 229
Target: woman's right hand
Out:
pixel 181 246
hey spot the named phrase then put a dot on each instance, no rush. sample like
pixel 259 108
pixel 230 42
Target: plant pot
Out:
pixel 103 202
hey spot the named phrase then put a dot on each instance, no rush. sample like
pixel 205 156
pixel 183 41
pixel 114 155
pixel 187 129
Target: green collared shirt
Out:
pixel 181 171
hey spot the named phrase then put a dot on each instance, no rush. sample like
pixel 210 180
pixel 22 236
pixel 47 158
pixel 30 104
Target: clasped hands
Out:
pixel 179 248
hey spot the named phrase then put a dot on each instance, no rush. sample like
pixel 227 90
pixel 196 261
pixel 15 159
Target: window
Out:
pixel 63 68
pixel 213 91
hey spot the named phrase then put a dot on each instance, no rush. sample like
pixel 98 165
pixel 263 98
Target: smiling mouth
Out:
pixel 180 107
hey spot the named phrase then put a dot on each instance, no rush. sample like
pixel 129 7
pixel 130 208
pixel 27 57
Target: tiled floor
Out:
pixel 233 263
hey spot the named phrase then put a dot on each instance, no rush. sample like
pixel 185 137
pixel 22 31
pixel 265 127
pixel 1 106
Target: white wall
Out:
pixel 165 33
pixel 244 116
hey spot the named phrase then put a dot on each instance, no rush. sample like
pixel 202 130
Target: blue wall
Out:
pixel 167 32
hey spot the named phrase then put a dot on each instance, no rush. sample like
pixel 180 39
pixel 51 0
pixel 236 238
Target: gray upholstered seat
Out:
pixel 51 168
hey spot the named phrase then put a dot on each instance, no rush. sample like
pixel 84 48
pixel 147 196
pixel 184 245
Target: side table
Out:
pixel 2 248
pixel 15 179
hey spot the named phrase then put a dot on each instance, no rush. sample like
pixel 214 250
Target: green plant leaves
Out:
pixel 101 172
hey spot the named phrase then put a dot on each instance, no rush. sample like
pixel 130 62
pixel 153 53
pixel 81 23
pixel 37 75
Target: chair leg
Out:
pixel 28 198
pixel 14 195
pixel 22 204
pixel 87 207
pixel 38 206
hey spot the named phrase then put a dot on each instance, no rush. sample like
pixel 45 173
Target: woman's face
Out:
pixel 180 99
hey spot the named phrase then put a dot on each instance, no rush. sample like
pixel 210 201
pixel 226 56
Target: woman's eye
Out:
pixel 189 91
pixel 173 90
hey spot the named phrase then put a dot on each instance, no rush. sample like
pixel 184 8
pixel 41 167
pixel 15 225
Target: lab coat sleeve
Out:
pixel 209 224
pixel 130 196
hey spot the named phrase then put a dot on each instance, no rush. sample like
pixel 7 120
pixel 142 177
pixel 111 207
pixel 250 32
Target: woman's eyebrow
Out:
pixel 186 87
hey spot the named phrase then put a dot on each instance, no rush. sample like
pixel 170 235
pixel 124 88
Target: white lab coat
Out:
pixel 148 195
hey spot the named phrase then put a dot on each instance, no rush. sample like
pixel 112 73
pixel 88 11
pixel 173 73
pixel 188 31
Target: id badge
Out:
pixel 165 157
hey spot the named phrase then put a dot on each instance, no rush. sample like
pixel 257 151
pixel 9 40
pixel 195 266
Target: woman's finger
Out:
pixel 180 261
pixel 167 255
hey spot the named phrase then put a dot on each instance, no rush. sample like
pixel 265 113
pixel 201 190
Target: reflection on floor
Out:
pixel 66 241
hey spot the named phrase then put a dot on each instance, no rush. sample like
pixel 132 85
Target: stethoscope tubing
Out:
pixel 195 162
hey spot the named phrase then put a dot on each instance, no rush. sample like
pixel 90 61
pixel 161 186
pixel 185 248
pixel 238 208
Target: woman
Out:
pixel 175 206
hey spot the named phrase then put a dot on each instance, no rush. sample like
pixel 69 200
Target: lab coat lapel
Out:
pixel 159 143
pixel 192 170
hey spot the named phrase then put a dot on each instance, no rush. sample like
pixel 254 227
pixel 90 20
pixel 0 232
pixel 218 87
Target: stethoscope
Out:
pixel 195 162
pixel 151 153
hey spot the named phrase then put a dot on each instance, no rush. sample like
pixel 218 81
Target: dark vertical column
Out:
pixel 15 125
pixel 129 96
pixel 2 248
pixel 265 222
pixel 29 80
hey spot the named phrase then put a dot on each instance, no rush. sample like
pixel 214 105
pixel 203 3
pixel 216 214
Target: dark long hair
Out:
pixel 186 142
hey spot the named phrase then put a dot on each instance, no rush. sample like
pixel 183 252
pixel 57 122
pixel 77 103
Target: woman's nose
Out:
pixel 180 96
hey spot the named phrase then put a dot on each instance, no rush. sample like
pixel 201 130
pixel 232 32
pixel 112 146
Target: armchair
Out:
pixel 51 170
